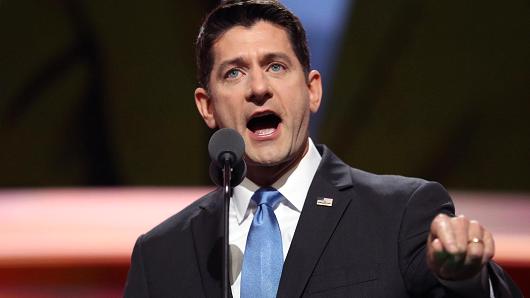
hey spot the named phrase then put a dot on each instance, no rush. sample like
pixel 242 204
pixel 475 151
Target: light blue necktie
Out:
pixel 263 259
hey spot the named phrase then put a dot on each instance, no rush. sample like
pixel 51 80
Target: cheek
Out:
pixel 227 112
pixel 300 110
pixel 297 100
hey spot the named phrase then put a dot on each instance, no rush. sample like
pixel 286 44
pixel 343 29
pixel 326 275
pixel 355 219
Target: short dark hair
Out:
pixel 246 13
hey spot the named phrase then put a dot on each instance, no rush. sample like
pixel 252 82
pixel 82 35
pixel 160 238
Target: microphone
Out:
pixel 227 169
pixel 226 146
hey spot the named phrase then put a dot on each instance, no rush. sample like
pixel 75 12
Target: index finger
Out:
pixel 441 229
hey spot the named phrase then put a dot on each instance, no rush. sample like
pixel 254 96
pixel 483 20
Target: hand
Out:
pixel 458 248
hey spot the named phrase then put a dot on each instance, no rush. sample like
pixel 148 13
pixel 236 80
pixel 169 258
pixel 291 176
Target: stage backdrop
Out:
pixel 101 93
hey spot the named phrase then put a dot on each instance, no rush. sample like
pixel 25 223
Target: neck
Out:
pixel 265 175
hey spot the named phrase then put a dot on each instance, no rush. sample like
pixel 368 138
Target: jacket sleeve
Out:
pixel 136 285
pixel 503 285
pixel 428 200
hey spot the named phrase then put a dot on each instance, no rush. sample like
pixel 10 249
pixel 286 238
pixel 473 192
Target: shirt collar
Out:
pixel 293 185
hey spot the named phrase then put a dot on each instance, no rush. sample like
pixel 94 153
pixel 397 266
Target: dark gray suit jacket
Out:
pixel 370 243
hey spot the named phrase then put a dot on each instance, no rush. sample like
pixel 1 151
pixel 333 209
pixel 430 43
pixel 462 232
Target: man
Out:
pixel 330 230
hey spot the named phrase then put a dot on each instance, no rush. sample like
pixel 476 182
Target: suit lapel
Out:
pixel 316 224
pixel 208 240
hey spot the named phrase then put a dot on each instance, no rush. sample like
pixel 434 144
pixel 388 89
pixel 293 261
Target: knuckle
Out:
pixel 440 217
pixel 474 222
pixel 475 225
pixel 459 220
pixel 437 221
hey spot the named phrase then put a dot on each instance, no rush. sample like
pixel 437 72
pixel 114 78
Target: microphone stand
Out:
pixel 226 149
pixel 226 190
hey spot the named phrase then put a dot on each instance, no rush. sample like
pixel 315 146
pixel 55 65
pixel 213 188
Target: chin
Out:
pixel 265 160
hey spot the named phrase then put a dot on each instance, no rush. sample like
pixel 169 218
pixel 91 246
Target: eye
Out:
pixel 233 73
pixel 276 67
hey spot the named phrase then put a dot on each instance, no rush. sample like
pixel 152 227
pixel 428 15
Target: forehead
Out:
pixel 259 39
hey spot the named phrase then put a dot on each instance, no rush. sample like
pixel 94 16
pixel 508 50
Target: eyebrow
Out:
pixel 277 56
pixel 235 61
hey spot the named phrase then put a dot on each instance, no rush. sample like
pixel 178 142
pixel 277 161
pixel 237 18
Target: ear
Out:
pixel 205 107
pixel 314 85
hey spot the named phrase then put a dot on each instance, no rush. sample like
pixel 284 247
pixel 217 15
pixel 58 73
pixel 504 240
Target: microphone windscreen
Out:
pixel 226 140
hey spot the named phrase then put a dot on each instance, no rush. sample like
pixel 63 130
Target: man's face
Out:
pixel 258 87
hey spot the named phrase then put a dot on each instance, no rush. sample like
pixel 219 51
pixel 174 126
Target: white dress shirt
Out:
pixel 294 186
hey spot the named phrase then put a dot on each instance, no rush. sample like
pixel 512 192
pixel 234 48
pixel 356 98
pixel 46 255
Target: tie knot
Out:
pixel 268 196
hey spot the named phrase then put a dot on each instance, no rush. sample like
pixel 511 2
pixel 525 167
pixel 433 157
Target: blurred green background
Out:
pixel 100 93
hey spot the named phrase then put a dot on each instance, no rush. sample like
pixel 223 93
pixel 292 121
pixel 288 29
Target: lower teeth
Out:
pixel 263 132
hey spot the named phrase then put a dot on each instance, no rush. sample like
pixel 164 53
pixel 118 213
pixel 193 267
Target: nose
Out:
pixel 259 89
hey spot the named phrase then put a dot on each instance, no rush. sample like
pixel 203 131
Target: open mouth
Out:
pixel 264 124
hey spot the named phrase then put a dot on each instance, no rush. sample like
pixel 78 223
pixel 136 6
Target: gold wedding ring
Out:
pixel 475 240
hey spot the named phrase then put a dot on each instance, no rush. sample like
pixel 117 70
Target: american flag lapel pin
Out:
pixel 328 202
